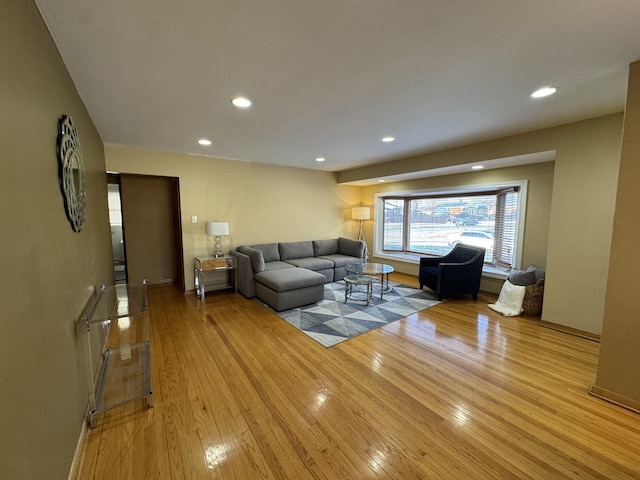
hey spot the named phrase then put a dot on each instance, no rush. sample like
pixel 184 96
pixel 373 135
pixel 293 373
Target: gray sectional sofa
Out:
pixel 286 275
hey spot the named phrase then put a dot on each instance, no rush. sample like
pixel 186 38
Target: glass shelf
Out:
pixel 118 301
pixel 117 325
pixel 125 376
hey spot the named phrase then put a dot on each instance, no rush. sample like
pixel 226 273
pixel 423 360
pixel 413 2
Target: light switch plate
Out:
pixel 194 219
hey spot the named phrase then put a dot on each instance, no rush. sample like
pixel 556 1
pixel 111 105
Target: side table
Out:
pixel 356 280
pixel 211 273
pixel 373 269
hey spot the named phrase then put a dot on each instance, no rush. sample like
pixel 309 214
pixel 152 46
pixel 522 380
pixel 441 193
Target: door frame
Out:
pixel 114 177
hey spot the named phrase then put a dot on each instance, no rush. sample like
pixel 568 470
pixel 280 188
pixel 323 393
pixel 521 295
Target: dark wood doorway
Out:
pixel 152 230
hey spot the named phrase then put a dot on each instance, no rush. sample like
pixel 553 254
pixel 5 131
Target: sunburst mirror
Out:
pixel 71 171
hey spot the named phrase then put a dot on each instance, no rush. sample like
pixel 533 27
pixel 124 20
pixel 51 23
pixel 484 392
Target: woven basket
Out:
pixel 532 303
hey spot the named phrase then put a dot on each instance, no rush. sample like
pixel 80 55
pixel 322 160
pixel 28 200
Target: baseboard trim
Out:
pixel 615 398
pixel 571 331
pixel 76 464
pixel 166 281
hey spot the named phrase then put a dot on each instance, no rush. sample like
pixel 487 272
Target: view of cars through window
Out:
pixel 476 239
pixel 435 225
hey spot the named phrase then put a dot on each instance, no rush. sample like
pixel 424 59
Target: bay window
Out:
pixel 432 222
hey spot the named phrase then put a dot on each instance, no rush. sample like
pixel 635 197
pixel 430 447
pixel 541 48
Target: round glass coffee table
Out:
pixel 351 290
pixel 375 270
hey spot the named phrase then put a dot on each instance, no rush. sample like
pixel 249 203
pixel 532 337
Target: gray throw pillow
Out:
pixel 539 271
pixel 522 277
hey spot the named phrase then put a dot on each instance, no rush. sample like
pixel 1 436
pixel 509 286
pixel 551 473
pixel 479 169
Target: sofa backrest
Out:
pixel 352 248
pixel 255 257
pixel 293 250
pixel 325 247
pixel 270 251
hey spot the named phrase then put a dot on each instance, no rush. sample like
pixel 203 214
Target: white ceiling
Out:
pixel 331 77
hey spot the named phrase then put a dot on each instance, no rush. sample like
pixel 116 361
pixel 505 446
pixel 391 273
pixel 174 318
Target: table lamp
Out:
pixel 216 229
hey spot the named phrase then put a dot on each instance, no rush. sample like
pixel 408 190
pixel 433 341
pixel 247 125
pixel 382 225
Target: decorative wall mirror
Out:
pixel 71 170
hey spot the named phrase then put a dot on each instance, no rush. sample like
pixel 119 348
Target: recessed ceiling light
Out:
pixel 388 139
pixel 204 141
pixel 320 159
pixel 544 92
pixel 477 167
pixel 241 102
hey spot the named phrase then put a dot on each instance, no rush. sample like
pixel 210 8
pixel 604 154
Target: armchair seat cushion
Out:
pixel 432 271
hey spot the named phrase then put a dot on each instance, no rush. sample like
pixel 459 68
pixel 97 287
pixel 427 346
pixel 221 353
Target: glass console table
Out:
pixel 116 324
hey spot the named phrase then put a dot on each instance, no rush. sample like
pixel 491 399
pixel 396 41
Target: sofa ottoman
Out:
pixel 289 288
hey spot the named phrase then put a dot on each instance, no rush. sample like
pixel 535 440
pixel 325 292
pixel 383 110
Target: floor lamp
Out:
pixel 360 214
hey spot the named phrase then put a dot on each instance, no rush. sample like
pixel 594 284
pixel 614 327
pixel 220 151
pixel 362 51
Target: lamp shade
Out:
pixel 361 213
pixel 217 228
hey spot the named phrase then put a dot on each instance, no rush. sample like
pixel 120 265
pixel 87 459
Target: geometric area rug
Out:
pixel 331 321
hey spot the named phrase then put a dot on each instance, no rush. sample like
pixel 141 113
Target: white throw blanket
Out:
pixel 510 300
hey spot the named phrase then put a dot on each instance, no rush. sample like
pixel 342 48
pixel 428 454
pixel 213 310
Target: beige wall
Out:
pixel 619 351
pixel 540 183
pixel 579 222
pixel 48 270
pixel 261 203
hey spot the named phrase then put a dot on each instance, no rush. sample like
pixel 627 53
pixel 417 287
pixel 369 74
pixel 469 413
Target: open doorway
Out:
pixel 117 231
pixel 146 229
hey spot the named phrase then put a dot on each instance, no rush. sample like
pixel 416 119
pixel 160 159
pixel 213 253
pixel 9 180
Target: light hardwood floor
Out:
pixel 453 392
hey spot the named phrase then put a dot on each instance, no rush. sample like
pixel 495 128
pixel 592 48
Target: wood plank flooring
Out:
pixel 453 392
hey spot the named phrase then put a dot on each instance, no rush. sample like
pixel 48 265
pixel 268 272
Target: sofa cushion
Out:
pixel 312 263
pixel 293 250
pixel 352 248
pixel 277 266
pixel 325 247
pixel 269 251
pixel 342 260
pixel 255 256
pixel 289 279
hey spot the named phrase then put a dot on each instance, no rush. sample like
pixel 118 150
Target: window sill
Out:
pixel 490 271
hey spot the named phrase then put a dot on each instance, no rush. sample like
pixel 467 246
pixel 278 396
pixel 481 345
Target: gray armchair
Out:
pixel 457 272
